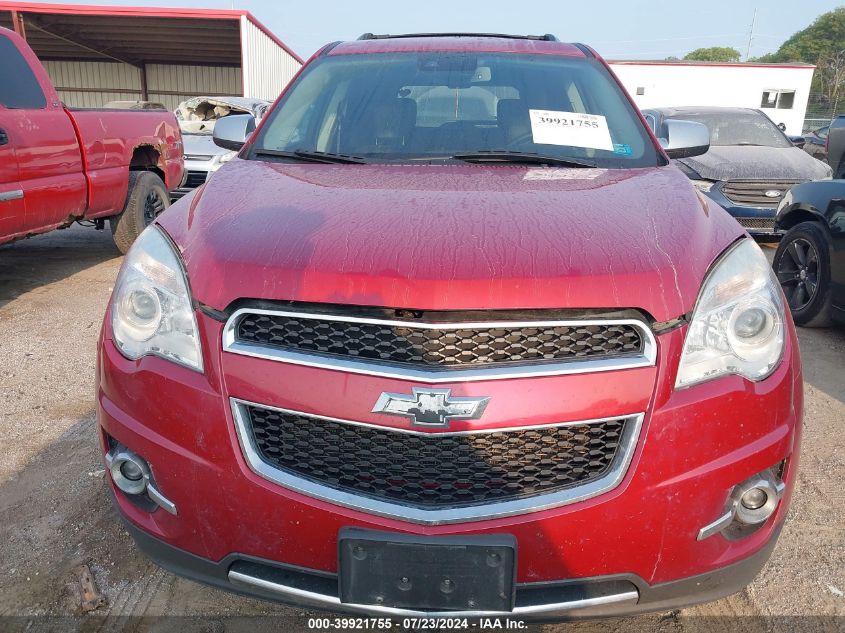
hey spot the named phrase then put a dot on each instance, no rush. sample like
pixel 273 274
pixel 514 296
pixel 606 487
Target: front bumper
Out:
pixel 603 596
pixel 758 221
pixel 695 445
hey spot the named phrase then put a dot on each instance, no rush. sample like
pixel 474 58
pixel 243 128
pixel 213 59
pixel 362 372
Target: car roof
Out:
pixel 459 43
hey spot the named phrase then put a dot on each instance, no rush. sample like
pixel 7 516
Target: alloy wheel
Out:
pixel 798 273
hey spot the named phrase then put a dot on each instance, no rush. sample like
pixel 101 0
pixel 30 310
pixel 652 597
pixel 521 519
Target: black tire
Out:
pixel 146 198
pixel 802 266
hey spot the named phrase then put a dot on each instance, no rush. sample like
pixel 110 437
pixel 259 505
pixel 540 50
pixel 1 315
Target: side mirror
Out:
pixel 685 138
pixel 798 141
pixel 231 132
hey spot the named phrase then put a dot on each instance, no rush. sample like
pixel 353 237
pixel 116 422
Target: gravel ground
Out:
pixel 56 514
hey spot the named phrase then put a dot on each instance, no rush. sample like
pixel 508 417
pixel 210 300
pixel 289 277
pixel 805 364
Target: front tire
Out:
pixel 802 266
pixel 147 197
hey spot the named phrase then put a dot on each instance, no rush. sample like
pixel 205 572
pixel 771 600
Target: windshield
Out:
pixel 432 106
pixel 739 128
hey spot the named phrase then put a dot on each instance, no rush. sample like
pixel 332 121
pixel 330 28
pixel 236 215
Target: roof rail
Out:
pixel 548 37
pixel 588 52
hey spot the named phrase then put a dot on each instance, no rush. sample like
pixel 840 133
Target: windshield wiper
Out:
pixel 504 156
pixel 312 156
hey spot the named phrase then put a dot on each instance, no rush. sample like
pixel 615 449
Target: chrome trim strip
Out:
pixel 433 376
pixel 160 500
pixel 8 196
pixel 440 516
pixel 324 601
pixel 717 526
pixel 504 429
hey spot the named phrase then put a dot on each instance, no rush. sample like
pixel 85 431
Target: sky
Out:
pixel 617 29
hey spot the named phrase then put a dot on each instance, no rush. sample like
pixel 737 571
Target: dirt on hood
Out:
pixel 751 162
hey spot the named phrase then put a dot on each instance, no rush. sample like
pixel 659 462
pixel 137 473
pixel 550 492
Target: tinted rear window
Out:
pixel 18 86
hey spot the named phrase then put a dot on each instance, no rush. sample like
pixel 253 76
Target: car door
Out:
pixel 40 134
pixel 12 219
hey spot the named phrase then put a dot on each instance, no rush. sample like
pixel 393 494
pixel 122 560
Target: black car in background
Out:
pixel 750 166
pixel 810 260
pixel 815 142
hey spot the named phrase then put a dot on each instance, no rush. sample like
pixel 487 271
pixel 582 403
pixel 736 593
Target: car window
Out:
pixel 823 131
pixel 738 127
pixel 431 106
pixel 19 89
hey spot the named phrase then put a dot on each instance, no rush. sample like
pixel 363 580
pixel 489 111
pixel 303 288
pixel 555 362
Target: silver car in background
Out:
pixel 197 117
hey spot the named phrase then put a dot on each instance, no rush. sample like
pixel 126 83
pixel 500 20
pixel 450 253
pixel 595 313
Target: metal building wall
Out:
pixel 171 84
pixel 267 67
pixel 93 84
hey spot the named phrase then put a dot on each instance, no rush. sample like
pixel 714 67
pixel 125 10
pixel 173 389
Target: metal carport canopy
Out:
pixel 132 35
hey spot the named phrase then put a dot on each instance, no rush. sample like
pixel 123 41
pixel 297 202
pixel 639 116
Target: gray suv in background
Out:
pixel 750 165
pixel 197 117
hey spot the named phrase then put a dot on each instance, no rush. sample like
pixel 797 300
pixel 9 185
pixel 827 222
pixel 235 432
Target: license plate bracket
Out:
pixel 441 573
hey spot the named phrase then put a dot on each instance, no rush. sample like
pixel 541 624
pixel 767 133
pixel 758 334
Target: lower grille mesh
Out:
pixel 760 224
pixel 435 470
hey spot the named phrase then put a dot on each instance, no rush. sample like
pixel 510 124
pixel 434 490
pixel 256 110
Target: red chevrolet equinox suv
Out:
pixel 451 336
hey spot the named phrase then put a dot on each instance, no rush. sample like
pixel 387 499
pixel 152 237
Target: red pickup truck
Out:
pixel 61 165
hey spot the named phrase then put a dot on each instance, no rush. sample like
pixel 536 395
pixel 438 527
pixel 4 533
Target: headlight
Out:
pixel 737 326
pixel 703 185
pixel 151 306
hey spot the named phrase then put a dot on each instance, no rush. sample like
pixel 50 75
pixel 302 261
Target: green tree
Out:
pixel 823 44
pixel 713 54
pixel 822 40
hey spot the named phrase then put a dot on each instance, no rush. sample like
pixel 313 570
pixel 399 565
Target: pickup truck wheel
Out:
pixel 146 199
pixel 802 266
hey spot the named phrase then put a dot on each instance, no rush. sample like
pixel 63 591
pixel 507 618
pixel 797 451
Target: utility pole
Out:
pixel 751 35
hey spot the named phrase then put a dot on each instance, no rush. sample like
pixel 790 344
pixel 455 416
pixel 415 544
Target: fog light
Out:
pixel 754 498
pixel 751 503
pixel 129 472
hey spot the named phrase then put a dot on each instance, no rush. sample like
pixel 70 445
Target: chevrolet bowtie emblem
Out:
pixel 430 407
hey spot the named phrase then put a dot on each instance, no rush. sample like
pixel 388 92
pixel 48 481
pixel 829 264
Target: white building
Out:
pixel 779 90
pixel 97 54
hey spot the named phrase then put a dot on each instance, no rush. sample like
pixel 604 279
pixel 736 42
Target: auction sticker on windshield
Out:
pixel 574 129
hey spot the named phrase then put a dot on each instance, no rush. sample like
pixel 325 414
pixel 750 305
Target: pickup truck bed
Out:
pixel 59 165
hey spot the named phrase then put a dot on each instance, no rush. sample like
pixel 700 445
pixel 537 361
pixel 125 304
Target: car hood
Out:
pixel 201 145
pixel 748 162
pixel 449 237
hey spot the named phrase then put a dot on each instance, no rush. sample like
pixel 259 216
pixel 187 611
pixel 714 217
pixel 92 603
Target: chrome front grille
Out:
pixel 441 477
pixel 753 193
pixel 441 351
pixel 194 179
